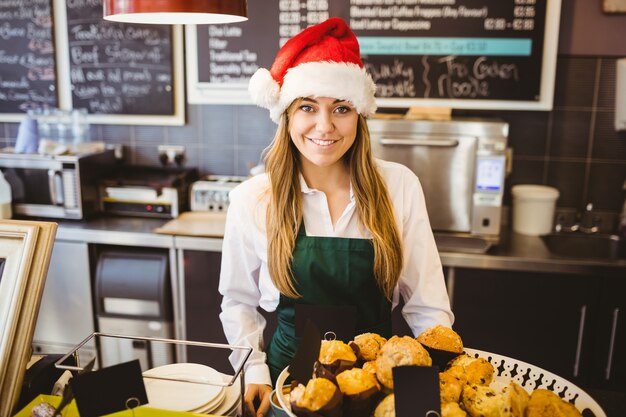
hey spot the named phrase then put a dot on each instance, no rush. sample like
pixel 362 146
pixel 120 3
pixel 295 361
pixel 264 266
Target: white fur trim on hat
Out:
pixel 339 80
pixel 263 89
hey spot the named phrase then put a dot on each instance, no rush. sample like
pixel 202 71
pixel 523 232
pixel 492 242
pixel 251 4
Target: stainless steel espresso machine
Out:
pixel 461 164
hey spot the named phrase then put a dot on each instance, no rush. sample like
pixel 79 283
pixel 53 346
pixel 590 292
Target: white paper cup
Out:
pixel 533 208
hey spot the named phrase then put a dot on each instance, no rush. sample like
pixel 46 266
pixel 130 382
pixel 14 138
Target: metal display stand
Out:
pixel 98 338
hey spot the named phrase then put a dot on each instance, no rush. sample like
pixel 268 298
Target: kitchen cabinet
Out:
pixel 66 310
pixel 199 271
pixel 609 365
pixel 571 325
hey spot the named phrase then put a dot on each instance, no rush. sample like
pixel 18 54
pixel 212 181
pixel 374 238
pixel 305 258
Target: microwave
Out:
pixel 55 186
pixel 461 165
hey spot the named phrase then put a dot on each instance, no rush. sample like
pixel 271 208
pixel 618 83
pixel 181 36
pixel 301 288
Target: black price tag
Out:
pixel 116 388
pixel 301 367
pixel 340 320
pixel 409 380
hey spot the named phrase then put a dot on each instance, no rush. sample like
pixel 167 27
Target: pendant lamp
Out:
pixel 192 12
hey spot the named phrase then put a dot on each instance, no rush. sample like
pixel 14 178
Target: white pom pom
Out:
pixel 263 89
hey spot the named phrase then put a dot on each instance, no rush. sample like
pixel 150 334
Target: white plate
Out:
pixel 232 400
pixel 530 377
pixel 177 395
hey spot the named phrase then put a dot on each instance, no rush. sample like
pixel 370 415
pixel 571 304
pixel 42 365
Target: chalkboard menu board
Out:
pixel 457 53
pixel 27 63
pixel 117 68
pixel 62 53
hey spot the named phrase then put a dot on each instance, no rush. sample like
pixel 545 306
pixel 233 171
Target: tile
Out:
pixel 11 131
pixel 218 160
pixel 606 181
pixel 607 143
pixel 145 155
pixel 246 158
pixel 253 126
pixel 116 134
pixel 193 156
pixel 606 89
pixel 217 125
pixel 569 179
pixel 570 133
pixel 144 135
pixel 575 81
pixel 188 134
pixel 528 132
pixel 524 172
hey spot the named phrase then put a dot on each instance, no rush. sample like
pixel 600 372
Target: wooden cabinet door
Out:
pixel 201 274
pixel 543 319
pixel 609 366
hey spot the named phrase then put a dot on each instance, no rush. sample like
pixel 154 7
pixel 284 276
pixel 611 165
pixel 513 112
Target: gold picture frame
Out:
pixel 614 6
pixel 25 251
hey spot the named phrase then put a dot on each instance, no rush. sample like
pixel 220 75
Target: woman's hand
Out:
pixel 257 394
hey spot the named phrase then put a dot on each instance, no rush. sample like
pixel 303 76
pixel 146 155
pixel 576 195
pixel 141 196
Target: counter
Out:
pixel 515 252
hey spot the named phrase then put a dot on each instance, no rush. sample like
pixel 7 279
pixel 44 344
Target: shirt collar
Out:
pixel 308 190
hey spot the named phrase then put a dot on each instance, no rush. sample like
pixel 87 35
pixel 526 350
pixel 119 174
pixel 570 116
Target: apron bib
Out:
pixel 329 271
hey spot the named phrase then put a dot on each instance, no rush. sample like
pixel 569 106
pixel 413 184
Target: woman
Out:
pixel 327 224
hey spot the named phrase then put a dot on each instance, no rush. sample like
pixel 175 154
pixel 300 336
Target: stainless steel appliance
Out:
pixel 461 164
pixel 62 186
pixel 134 298
pixel 147 191
pixel 211 193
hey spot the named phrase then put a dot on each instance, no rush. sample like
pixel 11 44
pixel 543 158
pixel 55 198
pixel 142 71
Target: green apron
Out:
pixel 329 271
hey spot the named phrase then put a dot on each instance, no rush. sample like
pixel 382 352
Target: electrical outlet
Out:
pixel 171 154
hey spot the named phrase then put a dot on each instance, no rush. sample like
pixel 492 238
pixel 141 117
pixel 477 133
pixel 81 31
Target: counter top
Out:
pixel 514 252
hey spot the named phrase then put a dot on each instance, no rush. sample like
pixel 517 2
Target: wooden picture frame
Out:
pixel 614 6
pixel 25 251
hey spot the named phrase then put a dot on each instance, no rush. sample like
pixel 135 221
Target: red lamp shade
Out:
pixel 195 12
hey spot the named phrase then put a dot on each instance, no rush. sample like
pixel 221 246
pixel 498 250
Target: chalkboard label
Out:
pixel 427 49
pixel 27 63
pixel 118 68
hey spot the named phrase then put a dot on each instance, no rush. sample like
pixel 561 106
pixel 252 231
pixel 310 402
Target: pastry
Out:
pixel 482 401
pixel 369 345
pixel 386 408
pixel 399 351
pixel 370 366
pixel 360 392
pixel 320 398
pixel 441 338
pixel 515 400
pixel 450 388
pixel 471 370
pixel 544 403
pixel 452 410
pixel 336 356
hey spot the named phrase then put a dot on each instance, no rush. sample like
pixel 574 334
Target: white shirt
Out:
pixel 245 283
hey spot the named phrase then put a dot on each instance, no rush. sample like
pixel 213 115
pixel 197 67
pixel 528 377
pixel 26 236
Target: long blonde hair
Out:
pixel 284 212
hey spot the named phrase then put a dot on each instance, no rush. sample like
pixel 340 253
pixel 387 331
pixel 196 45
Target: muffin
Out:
pixel 441 338
pixel 399 351
pixel 450 388
pixel 336 356
pixel 370 367
pixel 386 408
pixel 482 401
pixel 544 403
pixel 471 370
pixel 360 392
pixel 515 400
pixel 452 410
pixel 320 398
pixel 368 345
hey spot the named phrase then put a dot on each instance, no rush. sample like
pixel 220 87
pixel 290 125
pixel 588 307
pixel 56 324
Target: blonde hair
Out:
pixel 284 212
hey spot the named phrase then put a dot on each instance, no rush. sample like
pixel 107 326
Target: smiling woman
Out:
pixel 25 249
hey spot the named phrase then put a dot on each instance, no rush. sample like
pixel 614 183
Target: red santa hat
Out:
pixel 321 61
